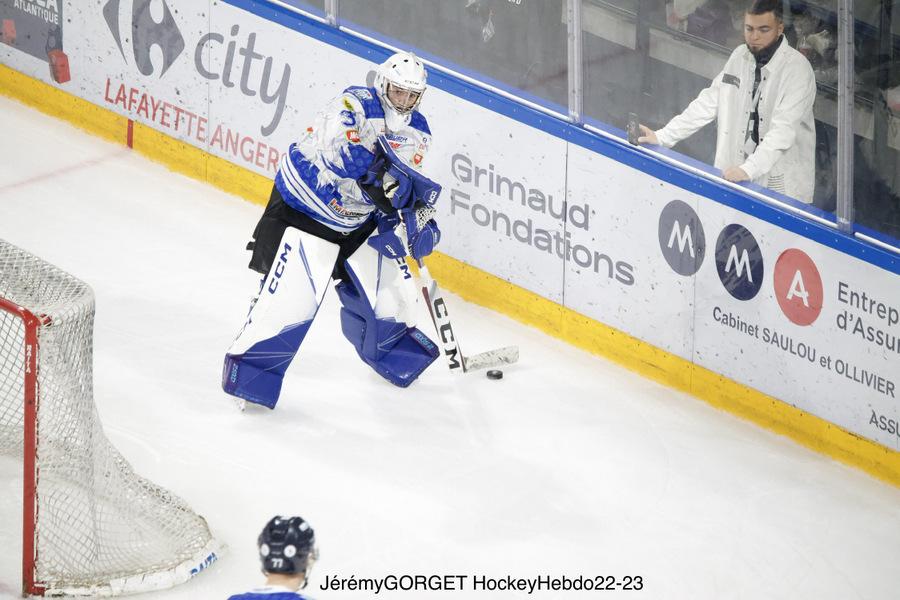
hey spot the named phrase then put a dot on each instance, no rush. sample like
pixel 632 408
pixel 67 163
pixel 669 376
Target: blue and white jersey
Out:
pixel 271 592
pixel 318 174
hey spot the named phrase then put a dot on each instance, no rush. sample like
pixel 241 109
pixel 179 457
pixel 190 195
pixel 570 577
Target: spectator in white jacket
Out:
pixel 762 102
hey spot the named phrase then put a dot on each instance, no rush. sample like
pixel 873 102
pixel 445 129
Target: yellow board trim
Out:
pixel 487 290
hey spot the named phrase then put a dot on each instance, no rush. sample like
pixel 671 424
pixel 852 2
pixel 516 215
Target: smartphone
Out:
pixel 633 129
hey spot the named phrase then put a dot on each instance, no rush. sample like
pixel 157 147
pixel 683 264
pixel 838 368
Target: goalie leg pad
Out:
pixel 395 351
pixel 280 318
pixel 256 375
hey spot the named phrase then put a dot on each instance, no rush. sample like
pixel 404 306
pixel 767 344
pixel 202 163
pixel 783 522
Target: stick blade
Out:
pixel 492 358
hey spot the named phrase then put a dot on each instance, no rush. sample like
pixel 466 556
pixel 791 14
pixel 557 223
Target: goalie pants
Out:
pixel 278 216
pixel 377 300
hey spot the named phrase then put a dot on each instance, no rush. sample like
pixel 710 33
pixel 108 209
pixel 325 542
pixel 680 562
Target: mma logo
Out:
pixel 798 287
pixel 146 33
pixel 681 238
pixel 739 262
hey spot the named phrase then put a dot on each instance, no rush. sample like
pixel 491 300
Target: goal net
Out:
pixel 91 526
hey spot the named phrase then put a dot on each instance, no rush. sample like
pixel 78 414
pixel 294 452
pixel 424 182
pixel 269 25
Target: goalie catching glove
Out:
pixel 408 231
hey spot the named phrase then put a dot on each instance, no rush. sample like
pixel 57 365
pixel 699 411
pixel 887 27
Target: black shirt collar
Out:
pixel 765 55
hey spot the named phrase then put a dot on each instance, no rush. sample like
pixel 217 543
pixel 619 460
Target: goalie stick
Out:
pixel 440 317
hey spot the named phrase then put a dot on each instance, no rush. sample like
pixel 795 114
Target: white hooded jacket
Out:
pixel 784 160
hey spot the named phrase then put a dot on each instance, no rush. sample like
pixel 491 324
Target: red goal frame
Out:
pixel 32 325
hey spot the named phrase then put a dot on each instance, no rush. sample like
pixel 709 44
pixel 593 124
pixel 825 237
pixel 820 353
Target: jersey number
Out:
pixel 349 119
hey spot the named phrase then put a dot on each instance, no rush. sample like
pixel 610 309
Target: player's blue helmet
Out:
pixel 287 545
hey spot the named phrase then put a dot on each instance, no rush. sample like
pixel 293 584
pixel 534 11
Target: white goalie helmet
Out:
pixel 400 82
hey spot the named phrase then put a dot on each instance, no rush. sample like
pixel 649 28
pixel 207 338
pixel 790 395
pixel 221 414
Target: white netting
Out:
pixel 101 528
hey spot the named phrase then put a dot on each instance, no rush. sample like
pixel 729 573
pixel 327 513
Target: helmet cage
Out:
pixel 403 100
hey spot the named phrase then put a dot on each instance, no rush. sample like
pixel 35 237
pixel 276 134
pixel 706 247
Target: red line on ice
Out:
pixel 68 169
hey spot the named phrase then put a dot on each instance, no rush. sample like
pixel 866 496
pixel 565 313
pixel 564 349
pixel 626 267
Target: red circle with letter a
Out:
pixel 798 287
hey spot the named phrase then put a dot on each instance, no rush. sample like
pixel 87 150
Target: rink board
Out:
pixel 682 279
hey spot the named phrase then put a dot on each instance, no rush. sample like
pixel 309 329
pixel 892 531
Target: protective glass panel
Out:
pixel 611 72
pixel 719 22
pixel 660 60
pixel 634 64
pixel 316 7
pixel 876 166
pixel 518 45
pixel 811 28
pixel 626 5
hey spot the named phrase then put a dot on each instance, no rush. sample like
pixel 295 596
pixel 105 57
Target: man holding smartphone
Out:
pixel 762 102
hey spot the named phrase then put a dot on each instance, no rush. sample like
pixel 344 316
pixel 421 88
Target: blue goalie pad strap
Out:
pixel 396 352
pixel 256 375
pixel 408 357
pixel 373 337
pixel 371 347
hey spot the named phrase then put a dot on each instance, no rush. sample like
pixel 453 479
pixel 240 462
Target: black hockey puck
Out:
pixel 495 374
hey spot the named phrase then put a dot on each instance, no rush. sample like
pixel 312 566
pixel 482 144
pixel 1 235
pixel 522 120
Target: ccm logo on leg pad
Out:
pixel 278 271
